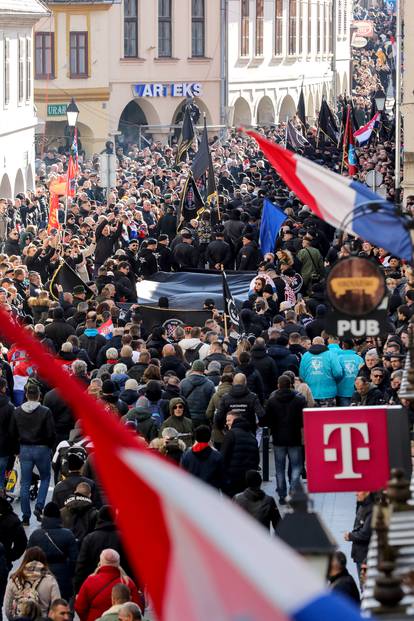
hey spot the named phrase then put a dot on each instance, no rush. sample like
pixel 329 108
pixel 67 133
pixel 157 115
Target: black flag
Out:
pixel 202 157
pixel 191 203
pixel 67 278
pixel 327 123
pixel 230 308
pixel 187 135
pixel 300 111
pixel 294 138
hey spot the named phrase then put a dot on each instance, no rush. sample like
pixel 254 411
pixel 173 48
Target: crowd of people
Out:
pixel 196 396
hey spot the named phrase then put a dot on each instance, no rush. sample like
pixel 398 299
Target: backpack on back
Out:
pixel 27 593
pixel 192 354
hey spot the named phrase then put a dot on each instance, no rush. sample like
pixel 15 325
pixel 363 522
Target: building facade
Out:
pixel 128 64
pixel 407 107
pixel 275 47
pixel 18 118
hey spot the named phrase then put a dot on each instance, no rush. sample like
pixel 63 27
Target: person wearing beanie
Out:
pixel 197 390
pixel 165 259
pixel 213 372
pixel 110 396
pixel 318 325
pixel 178 421
pixel 76 459
pixel 248 257
pixel 59 329
pixel 203 461
pixel 259 505
pixel 79 513
pixel 60 547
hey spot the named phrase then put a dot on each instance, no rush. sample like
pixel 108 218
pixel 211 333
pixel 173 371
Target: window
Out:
pixel 327 29
pixel 245 43
pixel 164 28
pixel 300 39
pixel 345 26
pixel 331 30
pixel 259 28
pixel 278 27
pixel 130 28
pixel 6 72
pixel 319 32
pixel 309 27
pixel 339 17
pixel 292 27
pixel 44 55
pixel 21 69
pixel 322 31
pixel 78 54
pixel 197 28
pixel 28 68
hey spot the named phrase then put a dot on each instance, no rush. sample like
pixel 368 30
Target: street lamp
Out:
pixel 304 531
pixel 72 113
pixel 380 100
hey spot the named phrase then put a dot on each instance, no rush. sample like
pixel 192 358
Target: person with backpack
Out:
pixel 33 581
pixel 59 545
pixel 192 345
pixel 13 542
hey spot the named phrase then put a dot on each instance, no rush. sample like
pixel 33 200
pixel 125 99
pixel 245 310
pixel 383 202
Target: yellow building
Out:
pixel 128 65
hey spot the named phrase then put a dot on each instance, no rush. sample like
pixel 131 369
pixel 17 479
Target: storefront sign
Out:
pixel 353 449
pixel 363 28
pixel 176 89
pixel 56 109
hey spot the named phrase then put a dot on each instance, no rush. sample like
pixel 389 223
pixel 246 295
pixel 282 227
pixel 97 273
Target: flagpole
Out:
pixel 286 132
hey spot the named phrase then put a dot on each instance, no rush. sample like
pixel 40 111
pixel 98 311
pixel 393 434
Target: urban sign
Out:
pixel 56 109
pixel 174 89
pixel 353 449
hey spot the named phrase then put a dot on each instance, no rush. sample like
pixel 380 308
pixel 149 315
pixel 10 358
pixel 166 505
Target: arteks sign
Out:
pixel 176 89
pixel 353 449
pixel 356 290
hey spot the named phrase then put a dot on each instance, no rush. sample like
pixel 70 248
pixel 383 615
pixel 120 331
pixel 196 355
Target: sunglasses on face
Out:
pixel 178 407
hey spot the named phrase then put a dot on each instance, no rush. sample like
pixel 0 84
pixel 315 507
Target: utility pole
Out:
pixel 398 94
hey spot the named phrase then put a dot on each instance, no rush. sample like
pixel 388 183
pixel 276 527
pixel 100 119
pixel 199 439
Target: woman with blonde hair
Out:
pixel 32 580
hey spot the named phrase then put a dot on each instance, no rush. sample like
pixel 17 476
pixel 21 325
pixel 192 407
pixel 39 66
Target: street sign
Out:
pixel 107 170
pixel 56 109
pixel 374 178
pixel 353 449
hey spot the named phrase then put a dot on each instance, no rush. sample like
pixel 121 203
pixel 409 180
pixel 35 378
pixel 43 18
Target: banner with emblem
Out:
pixel 230 308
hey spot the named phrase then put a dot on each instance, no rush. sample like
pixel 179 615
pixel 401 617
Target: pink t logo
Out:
pixel 330 454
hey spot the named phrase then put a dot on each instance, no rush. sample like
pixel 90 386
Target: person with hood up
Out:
pixel 178 421
pixel 94 596
pixel 259 505
pixel 145 425
pixel 32 573
pixel 284 416
pixel 203 461
pixel 240 453
pixel 60 547
pixel 253 377
pixel 79 513
pixel 239 399
pixel 317 325
pixel 197 390
pixel 265 365
pixel 321 370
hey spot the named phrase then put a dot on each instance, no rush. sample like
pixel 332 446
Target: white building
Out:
pixel 17 117
pixel 275 46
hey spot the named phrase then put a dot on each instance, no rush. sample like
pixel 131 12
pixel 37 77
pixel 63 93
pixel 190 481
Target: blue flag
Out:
pixel 272 219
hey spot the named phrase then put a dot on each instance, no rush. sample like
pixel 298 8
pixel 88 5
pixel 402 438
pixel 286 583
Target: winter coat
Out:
pixel 32 424
pixel 254 379
pixel 61 549
pixel 48 588
pixel 146 426
pixel 91 341
pixel 94 596
pixel 197 391
pixel 7 447
pixel 284 416
pixel 173 363
pixel 217 435
pixel 240 399
pixel 344 584
pixel 285 360
pixel 312 263
pixel 248 258
pixel 361 533
pixel 137 371
pixel 12 535
pixel 105 535
pixel 373 397
pixel 79 515
pixel 190 344
pixel 223 359
pixel 351 363
pixel 67 486
pixel 321 369
pixel 62 414
pixel 206 465
pixel 183 425
pixel 260 506
pixel 105 245
pixel 266 366
pixel 58 331
pixel 240 453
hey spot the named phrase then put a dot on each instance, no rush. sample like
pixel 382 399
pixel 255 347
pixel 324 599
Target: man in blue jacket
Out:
pixel 321 369
pixel 351 362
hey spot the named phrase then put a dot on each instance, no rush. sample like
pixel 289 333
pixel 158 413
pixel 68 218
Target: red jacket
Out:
pixel 94 596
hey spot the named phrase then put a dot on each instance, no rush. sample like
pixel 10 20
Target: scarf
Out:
pixel 200 446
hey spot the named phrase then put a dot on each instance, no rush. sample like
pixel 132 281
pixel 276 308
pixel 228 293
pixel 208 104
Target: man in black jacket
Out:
pixel 203 461
pixel 59 330
pixel 91 341
pixel 259 505
pixel 105 240
pixel 184 253
pixel 33 427
pixel 218 253
pixel 284 416
pixel 240 453
pixel 265 365
pixel 13 540
pixel 164 254
pixel 7 448
pixel 360 535
pixel 239 399
pixel 65 488
pixel 366 393
pixel 124 286
pixel 249 255
pixel 79 513
pixel 147 260
pixel 341 580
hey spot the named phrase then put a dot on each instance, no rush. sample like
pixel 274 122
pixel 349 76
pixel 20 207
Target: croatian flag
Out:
pixel 202 558
pixel 106 329
pixel 363 134
pixel 340 201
